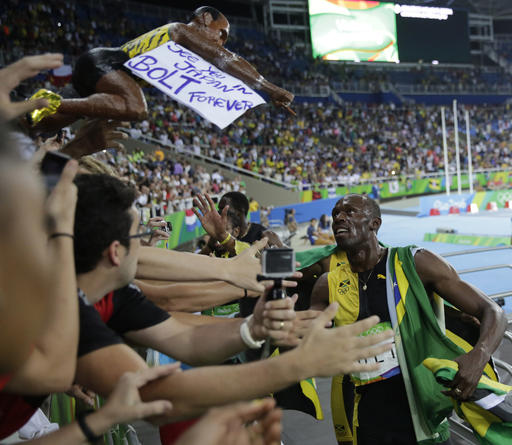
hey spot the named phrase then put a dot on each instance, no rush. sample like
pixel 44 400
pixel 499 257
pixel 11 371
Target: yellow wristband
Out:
pixel 226 240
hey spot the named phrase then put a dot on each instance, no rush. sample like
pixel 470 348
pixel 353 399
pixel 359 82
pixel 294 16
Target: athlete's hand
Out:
pixel 156 224
pixel 471 367
pixel 282 98
pixel 12 75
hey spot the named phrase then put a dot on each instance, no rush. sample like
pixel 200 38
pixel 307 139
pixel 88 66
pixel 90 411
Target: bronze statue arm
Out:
pixel 229 62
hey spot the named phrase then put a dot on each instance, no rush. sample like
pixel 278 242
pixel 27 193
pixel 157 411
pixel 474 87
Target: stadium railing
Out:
pixel 208 159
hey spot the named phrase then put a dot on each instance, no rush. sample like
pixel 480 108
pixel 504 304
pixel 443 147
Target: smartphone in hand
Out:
pixel 51 167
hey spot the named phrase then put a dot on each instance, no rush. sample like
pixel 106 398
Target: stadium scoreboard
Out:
pixel 372 31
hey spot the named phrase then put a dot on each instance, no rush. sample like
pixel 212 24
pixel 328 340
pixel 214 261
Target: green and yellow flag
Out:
pixel 490 410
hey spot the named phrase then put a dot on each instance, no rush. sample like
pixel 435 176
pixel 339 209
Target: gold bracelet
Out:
pixel 226 240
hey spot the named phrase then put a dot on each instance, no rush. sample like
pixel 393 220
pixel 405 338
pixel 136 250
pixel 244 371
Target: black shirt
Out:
pixel 121 311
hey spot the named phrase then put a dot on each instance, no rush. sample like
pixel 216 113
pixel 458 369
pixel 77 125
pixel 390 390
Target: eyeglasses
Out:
pixel 144 234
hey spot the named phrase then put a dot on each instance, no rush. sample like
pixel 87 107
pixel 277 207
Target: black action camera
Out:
pixel 277 263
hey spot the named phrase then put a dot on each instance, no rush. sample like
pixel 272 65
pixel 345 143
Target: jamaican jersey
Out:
pixel 148 41
pixel 358 302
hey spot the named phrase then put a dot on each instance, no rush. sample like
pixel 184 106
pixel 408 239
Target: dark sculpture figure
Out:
pixel 108 91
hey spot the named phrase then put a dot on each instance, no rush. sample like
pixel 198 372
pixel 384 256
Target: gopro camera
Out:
pixel 278 263
pixel 51 167
pixel 168 227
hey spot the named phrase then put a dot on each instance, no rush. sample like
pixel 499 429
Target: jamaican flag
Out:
pixel 489 412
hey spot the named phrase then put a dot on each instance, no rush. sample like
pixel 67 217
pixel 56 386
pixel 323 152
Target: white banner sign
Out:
pixel 197 84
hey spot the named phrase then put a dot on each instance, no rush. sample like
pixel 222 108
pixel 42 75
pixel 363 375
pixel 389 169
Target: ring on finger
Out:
pixel 457 391
pixel 281 325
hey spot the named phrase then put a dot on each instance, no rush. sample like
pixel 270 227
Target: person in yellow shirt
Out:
pixel 108 91
pixel 253 205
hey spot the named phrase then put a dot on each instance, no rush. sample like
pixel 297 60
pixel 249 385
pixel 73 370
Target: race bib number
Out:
pixel 388 360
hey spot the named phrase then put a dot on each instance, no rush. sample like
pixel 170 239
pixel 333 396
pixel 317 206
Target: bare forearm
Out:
pixel 170 265
pixel 190 296
pixel 196 320
pixel 60 340
pixel 77 148
pixel 210 344
pixel 493 323
pixel 72 434
pixel 193 392
pixel 54 354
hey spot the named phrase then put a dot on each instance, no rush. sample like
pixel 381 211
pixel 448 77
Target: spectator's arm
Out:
pixel 51 365
pixel 161 264
pixel 12 75
pixel 213 343
pixel 124 405
pixel 190 296
pixel 323 352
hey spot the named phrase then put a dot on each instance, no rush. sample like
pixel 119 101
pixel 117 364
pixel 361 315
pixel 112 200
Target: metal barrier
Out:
pixel 461 432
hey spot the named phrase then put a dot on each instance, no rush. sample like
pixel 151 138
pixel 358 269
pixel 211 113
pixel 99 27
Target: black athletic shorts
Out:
pixel 93 65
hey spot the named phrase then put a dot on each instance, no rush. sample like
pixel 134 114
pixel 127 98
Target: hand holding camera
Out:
pixel 161 230
pixel 274 313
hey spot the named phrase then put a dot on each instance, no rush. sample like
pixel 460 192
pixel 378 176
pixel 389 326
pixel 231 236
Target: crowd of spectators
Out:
pixel 165 182
pixel 503 45
pixel 328 143
pixel 324 143
pixel 72 27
